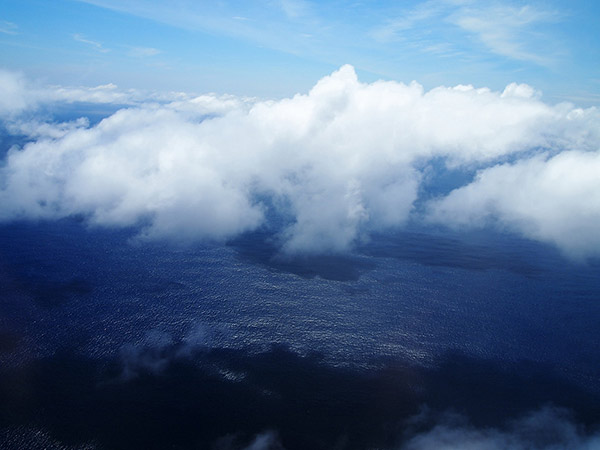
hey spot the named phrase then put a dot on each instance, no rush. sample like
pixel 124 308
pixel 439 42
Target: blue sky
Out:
pixel 275 48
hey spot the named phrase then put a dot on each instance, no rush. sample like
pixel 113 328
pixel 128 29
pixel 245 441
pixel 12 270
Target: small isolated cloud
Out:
pixel 158 349
pixel 8 27
pixel 331 166
pixel 265 441
pixel 97 45
pixel 143 52
pixel 546 429
pixel 106 93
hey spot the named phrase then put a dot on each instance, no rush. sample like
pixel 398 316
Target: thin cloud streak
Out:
pixel 144 52
pixel 8 27
pixel 508 31
pixel 97 45
pixel 445 26
pixel 505 30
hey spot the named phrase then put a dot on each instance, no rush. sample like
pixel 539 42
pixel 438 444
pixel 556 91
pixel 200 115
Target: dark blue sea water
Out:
pixel 108 342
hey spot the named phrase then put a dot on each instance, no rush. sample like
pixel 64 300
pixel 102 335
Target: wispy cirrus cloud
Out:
pixel 97 45
pixel 143 52
pixel 394 28
pixel 510 31
pixel 238 19
pixel 295 8
pixel 8 27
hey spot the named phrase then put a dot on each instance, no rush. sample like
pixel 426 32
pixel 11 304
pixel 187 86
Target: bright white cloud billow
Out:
pixel 555 199
pixel 341 161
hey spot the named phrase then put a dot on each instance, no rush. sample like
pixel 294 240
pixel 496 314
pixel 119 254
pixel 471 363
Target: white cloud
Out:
pixel 157 350
pixel 19 96
pixel 336 163
pixel 8 27
pixel 106 93
pixel 294 8
pixel 275 24
pixel 546 429
pixel 143 52
pixel 39 129
pixel 508 30
pixel 554 199
pixel 97 45
pixel 14 96
pixel 394 28
pixel 265 441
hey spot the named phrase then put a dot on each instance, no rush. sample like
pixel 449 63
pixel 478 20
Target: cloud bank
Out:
pixel 331 166
pixel 21 100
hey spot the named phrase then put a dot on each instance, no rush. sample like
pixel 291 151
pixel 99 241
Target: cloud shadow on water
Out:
pixel 468 251
pixel 262 248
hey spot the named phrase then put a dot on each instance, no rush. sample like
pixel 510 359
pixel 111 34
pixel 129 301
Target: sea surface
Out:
pixel 110 342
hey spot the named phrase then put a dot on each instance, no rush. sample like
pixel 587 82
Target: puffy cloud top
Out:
pixel 343 160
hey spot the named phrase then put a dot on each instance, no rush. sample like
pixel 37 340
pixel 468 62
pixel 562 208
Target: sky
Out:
pixel 277 48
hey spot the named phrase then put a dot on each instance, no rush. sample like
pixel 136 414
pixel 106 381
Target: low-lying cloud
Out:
pixel 553 199
pixel 546 429
pixel 159 349
pixel 333 165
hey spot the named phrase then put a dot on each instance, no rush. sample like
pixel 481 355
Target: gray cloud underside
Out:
pixel 341 161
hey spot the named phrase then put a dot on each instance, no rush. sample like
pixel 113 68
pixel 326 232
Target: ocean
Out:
pixel 110 342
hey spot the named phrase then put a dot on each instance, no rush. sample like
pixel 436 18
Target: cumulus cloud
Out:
pixel 19 96
pixel 553 199
pixel 14 97
pixel 546 429
pixel 333 165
